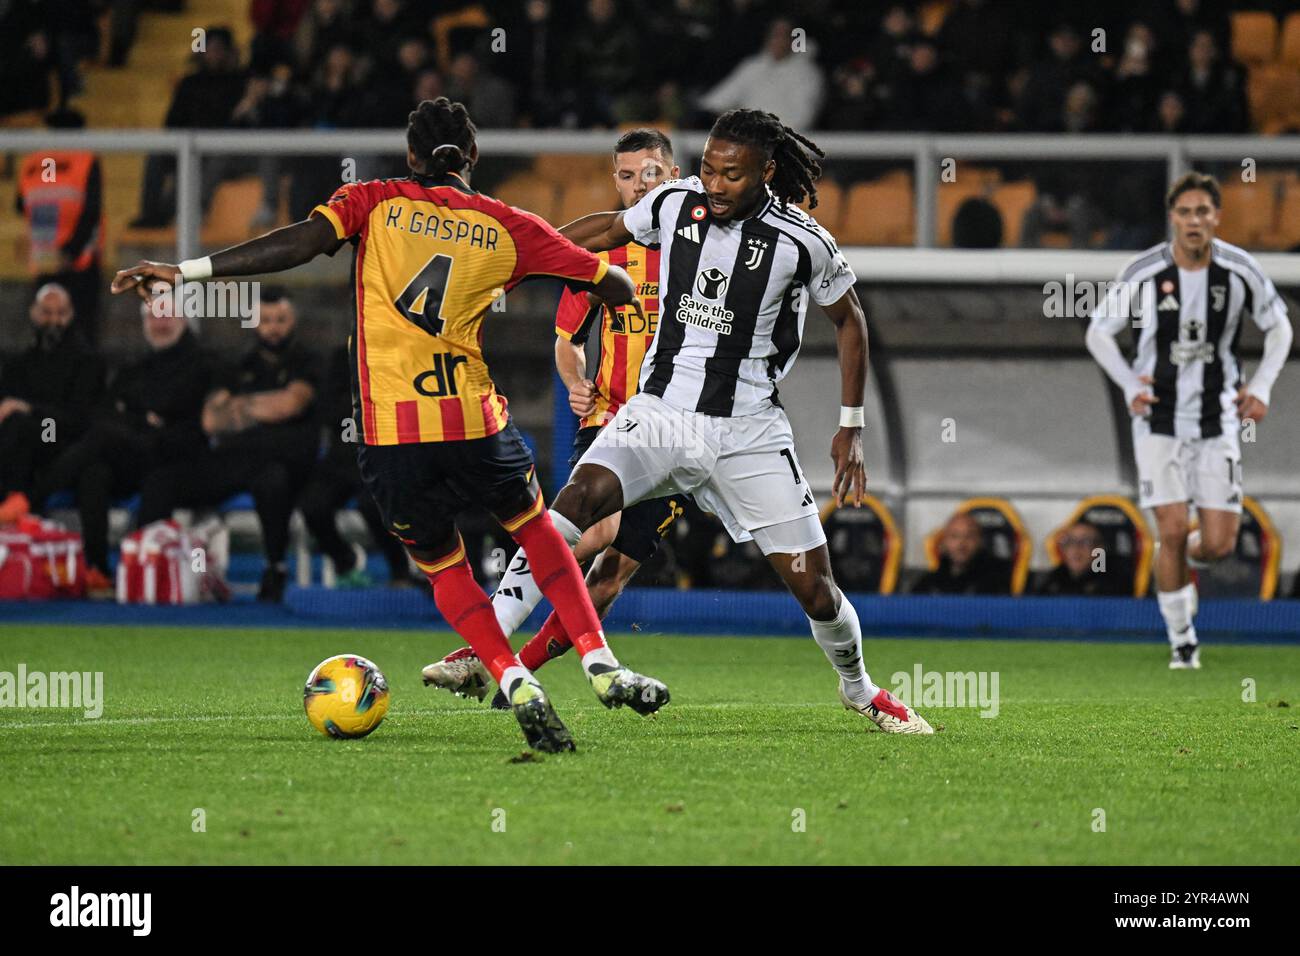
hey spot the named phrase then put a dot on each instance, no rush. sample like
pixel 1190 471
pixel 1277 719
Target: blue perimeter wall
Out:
pixel 666 611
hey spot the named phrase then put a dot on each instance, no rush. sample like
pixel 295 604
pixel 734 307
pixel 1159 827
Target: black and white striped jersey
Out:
pixel 1188 324
pixel 732 297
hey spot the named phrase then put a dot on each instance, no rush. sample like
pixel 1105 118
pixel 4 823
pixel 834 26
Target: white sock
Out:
pixel 841 641
pixel 601 655
pixel 517 594
pixel 1178 608
pixel 568 530
pixel 513 673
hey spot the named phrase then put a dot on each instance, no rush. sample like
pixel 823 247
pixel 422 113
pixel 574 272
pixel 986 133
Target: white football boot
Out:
pixel 888 713
pixel 460 672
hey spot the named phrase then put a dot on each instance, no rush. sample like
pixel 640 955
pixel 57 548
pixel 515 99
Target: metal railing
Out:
pixel 925 152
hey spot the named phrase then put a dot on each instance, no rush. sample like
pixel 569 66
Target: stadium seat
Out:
pixel 879 213
pixel 865 545
pixel 1287 235
pixel 1248 213
pixel 230 217
pixel 1252 569
pixel 830 206
pixel 1004 536
pixel 1127 536
pixel 561 168
pixel 1254 37
pixel 240 502
pixel 530 192
pixel 1274 94
pixel 1289 50
pixel 581 197
pixel 1013 201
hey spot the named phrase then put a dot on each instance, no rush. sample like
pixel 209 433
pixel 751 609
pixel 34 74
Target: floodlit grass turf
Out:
pixel 1185 771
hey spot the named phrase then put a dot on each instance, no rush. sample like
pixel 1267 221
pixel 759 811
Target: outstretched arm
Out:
pixel 598 232
pixel 846 447
pixel 273 252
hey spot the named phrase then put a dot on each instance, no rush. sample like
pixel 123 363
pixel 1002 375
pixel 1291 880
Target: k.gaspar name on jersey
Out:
pixel 714 318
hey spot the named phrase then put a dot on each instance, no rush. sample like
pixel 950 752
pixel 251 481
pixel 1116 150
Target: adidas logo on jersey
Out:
pixel 691 232
pixel 1168 304
pixel 516 593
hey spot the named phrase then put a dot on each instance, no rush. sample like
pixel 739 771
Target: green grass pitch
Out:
pixel 753 744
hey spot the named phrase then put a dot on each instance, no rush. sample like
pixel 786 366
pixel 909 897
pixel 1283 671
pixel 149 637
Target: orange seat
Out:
pixel 568 167
pixel 879 213
pixel 1289 49
pixel 1274 94
pixel 932 15
pixel 1249 212
pixel 1287 234
pixel 582 197
pixel 530 193
pixel 230 217
pixel 1013 201
pixel 830 206
pixel 1254 37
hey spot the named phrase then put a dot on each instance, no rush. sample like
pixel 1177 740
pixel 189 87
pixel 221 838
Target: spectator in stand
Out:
pixel 329 23
pixel 776 79
pixel 924 96
pixel 1136 88
pixel 891 50
pixel 855 97
pixel 276 23
pixel 1213 91
pixel 604 64
pixel 263 439
pixel 61 194
pixel 1077 574
pixel 204 99
pixel 271 101
pixel 1052 78
pixel 534 68
pixel 1171 113
pixel 46 397
pixel 149 417
pixel 487 96
pixel 965 565
pixel 27 58
pixel 335 480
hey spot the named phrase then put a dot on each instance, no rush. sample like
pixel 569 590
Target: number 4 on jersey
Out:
pixel 421 300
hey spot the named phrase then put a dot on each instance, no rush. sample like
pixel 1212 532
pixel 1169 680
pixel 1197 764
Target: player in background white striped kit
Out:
pixel 1188 298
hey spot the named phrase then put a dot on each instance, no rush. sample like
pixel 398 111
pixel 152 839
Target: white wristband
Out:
pixel 196 269
pixel 852 417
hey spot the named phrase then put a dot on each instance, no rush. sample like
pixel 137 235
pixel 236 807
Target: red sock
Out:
pixel 469 612
pixel 551 641
pixel 558 577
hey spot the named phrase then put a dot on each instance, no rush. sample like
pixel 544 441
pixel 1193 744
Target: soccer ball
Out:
pixel 346 696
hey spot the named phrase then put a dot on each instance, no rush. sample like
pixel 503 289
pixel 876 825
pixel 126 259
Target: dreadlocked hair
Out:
pixel 441 134
pixel 796 156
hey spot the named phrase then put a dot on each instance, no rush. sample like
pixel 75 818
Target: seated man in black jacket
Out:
pixel 336 479
pixel 46 396
pixel 965 565
pixel 150 416
pixel 262 437
pixel 1080 574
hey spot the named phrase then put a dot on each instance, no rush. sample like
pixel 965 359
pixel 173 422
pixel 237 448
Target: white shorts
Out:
pixel 1206 471
pixel 743 469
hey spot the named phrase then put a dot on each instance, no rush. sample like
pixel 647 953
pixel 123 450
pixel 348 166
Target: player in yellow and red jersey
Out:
pixel 431 257
pixel 621 543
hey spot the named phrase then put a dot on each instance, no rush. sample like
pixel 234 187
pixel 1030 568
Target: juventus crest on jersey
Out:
pixel 1188 324
pixel 733 296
